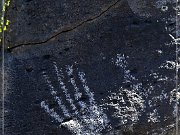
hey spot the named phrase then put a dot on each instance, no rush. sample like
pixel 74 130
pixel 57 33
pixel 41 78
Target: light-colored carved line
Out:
pixel 51 112
pixel 56 98
pixel 70 71
pixel 78 94
pixel 86 88
pixel 96 116
pixel 63 87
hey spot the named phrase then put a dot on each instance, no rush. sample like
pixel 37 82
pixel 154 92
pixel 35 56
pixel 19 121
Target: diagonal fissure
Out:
pixel 67 30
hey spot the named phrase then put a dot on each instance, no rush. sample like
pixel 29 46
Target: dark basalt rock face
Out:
pixel 90 67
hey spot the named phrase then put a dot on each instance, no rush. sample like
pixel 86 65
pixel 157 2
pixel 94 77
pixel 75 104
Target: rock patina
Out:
pixel 90 67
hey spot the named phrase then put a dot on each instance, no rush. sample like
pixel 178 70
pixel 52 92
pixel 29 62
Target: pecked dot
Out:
pixel 29 69
pixel 46 56
pixel 66 49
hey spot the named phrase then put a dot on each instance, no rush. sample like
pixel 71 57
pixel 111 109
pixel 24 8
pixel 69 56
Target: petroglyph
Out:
pixel 153 116
pixel 89 119
pixel 128 103
pixel 168 65
pixel 174 95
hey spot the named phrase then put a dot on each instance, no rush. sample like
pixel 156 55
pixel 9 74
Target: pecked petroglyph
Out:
pixel 128 103
pixel 153 116
pixel 89 119
pixel 175 99
pixel 168 65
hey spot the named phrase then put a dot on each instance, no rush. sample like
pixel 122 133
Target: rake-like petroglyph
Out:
pixel 128 103
pixel 89 119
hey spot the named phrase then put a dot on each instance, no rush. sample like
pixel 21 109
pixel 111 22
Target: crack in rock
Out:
pixel 67 30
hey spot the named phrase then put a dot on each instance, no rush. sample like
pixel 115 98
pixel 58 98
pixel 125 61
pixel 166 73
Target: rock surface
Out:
pixel 90 67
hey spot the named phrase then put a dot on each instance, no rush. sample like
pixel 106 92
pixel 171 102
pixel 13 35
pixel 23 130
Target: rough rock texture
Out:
pixel 90 67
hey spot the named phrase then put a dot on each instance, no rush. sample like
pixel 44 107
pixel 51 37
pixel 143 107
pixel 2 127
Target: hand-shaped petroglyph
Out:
pixel 89 119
